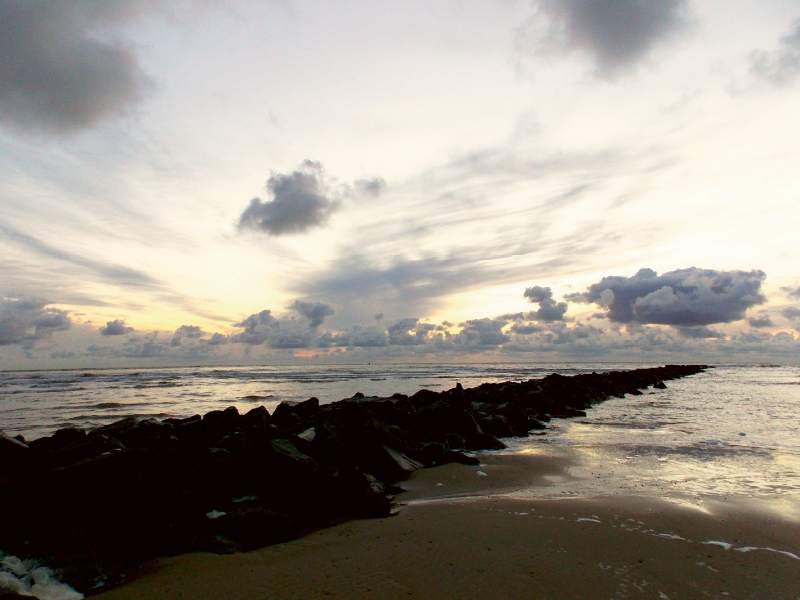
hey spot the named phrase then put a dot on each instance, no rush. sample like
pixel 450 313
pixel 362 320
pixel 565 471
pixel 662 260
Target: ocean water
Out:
pixel 733 430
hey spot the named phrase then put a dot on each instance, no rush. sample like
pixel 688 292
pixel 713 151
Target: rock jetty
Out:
pixel 97 505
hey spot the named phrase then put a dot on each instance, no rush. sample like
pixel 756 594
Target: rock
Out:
pixel 258 417
pixel 13 454
pixel 284 417
pixel 659 385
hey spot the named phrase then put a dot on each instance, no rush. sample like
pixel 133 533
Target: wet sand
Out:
pixel 478 536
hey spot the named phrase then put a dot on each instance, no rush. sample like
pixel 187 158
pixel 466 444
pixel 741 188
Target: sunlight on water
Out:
pixel 731 431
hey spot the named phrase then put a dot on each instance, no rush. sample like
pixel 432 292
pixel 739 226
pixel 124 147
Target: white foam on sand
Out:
pixel 29 578
pixel 784 552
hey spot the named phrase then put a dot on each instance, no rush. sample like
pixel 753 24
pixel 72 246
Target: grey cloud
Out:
pixel 762 320
pixel 315 312
pixel 368 337
pixel 116 327
pixel 791 313
pixel 781 67
pixel 257 328
pixel 192 332
pixel 699 333
pixel 371 188
pixel 683 298
pixel 141 347
pixel 792 292
pixel 549 309
pixel 218 339
pixel 56 74
pixel 300 201
pixel 290 337
pixel 482 332
pixel 616 33
pixel 25 322
pixel 399 333
pixel 526 328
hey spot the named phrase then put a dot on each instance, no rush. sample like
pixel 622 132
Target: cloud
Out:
pixel 57 74
pixel 192 332
pixel 400 332
pixel 782 66
pixel 683 298
pixel 549 309
pixel 791 312
pixel 218 339
pixel 368 337
pixel 116 327
pixel 148 346
pixel 792 292
pixel 257 328
pixel 482 332
pixel 370 188
pixel 26 322
pixel 315 312
pixel 300 201
pixel 700 333
pixel 617 34
pixel 762 320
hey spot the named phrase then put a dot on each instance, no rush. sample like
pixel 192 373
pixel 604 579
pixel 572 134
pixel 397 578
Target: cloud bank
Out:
pixel 56 74
pixel 683 298
pixel 25 322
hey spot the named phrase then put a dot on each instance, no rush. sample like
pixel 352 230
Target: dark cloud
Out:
pixel 116 327
pixel 192 332
pixel 792 292
pixel 549 309
pixel 781 67
pixel 371 188
pixel 368 337
pixel 315 312
pixel 400 333
pixel 762 320
pixel 526 328
pixel 616 33
pixel 148 346
pixel 700 333
pixel 257 328
pixel 218 339
pixel 290 336
pixel 482 332
pixel 300 201
pixel 60 72
pixel 25 322
pixel 683 298
pixel 791 313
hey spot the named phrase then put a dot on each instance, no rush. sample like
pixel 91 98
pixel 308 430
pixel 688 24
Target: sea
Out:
pixel 733 430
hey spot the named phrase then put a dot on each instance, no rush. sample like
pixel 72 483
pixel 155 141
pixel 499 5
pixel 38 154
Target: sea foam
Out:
pixel 29 578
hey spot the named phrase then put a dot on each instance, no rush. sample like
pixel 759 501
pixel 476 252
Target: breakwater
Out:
pixel 97 504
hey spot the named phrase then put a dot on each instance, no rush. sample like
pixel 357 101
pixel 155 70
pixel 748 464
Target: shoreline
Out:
pixel 484 543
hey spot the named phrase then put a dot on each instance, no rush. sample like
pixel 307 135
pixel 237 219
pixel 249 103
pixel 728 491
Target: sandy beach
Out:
pixel 459 534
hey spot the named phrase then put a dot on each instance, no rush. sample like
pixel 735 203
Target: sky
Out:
pixel 281 181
